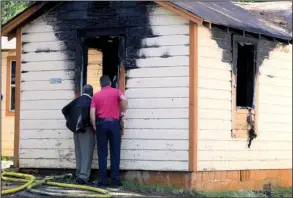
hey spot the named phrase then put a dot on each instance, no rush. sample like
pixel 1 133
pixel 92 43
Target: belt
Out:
pixel 107 119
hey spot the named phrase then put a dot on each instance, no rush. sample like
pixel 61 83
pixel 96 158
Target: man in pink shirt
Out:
pixel 105 117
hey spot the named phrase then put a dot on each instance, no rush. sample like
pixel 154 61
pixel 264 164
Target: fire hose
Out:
pixel 30 182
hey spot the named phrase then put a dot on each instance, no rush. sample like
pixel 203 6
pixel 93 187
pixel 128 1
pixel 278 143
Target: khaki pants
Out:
pixel 84 147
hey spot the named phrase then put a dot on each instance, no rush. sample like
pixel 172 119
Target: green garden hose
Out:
pixel 31 182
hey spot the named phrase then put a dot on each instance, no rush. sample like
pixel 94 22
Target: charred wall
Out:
pixel 128 19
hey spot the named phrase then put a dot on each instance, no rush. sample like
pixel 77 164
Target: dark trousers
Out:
pixel 109 131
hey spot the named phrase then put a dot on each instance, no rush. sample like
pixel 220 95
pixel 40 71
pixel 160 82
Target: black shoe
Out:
pixel 116 185
pixel 83 182
pixel 100 184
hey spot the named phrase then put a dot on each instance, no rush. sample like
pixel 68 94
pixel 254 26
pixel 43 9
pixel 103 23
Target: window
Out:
pixel 245 76
pixel 244 85
pixel 10 92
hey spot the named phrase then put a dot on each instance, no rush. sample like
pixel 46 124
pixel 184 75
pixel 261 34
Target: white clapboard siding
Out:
pixel 43 124
pixel 213 64
pixel 39 37
pixel 214 94
pixel 241 145
pixel 48 56
pixel 127 144
pixel 41 114
pixel 276 73
pixel 211 52
pixel 48 95
pixel 167 20
pixel 225 135
pixel 140 93
pixel 276 54
pixel 143 134
pixel 214 74
pixel 277 63
pixel 157 155
pixel 166 40
pixel 214 104
pixel 214 124
pixel 45 45
pixel 238 155
pixel 124 164
pixel 158 103
pixel 170 30
pixel 215 114
pixel 158 72
pixel 205 33
pixel 277 82
pixel 213 43
pixel 276 91
pixel 217 150
pixel 47 75
pixel 244 164
pixel 274 136
pixel 48 65
pixel 167 82
pixel 175 50
pixel 278 100
pixel 272 126
pixel 46 85
pixel 43 104
pixel 156 124
pixel 223 85
pixel 275 118
pixel 163 62
pixel 274 109
pixel 157 113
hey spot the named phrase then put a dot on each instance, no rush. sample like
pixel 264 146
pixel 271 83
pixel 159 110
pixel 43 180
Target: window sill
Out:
pixel 10 113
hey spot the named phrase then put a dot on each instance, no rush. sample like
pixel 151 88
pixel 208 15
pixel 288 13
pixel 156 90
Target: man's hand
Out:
pixel 93 118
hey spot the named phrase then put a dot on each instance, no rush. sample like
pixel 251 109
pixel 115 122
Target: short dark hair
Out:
pixel 105 81
pixel 88 89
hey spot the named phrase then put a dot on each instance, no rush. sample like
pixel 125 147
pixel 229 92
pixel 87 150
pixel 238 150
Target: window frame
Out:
pixel 9 86
pixel 236 112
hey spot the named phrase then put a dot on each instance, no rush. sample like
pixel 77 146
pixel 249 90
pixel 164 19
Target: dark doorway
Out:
pixel 101 58
pixel 245 75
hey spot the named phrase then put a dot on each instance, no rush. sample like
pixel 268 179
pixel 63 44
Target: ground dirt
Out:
pixel 130 189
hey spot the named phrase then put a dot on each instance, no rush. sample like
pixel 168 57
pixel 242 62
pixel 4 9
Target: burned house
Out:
pixel 194 72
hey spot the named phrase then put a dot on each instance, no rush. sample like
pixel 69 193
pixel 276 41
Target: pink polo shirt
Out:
pixel 107 103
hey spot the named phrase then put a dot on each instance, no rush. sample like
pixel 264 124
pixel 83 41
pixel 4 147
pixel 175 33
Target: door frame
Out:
pixel 80 55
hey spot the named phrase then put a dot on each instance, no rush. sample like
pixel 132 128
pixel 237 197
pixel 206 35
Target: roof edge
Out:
pixel 8 29
pixel 20 18
pixel 182 12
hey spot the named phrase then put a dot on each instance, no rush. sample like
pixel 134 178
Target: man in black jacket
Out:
pixel 77 115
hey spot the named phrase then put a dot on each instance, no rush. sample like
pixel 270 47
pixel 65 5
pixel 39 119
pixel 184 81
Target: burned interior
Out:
pixel 106 62
pixel 246 72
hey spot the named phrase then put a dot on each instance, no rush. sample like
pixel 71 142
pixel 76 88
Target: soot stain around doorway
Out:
pixel 132 17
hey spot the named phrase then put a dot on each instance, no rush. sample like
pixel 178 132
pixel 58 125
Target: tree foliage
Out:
pixel 11 8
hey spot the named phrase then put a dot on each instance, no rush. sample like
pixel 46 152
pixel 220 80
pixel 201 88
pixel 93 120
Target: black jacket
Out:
pixel 77 114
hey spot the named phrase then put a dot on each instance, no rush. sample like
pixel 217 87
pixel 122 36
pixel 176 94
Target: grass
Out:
pixel 6 158
pixel 176 192
pixel 159 190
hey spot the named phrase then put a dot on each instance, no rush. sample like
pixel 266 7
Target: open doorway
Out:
pixel 101 58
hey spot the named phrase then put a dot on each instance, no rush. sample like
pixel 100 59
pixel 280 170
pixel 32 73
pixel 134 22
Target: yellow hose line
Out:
pixel 31 182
